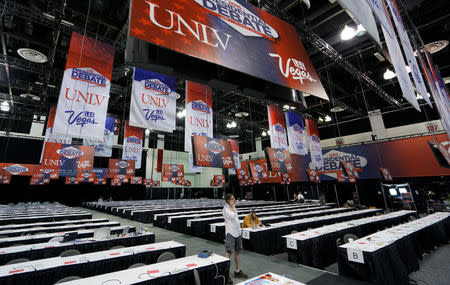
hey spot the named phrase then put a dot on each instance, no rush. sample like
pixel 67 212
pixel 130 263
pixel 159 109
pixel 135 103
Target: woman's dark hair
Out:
pixel 228 198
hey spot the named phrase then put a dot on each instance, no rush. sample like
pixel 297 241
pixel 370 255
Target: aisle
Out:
pixel 251 263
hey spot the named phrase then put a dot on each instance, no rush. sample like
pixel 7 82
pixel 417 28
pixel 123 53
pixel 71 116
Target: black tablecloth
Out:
pixel 46 219
pixel 13 233
pixel 81 247
pixel 321 251
pixel 88 269
pixel 392 264
pixel 269 242
pixel 46 239
pixel 52 224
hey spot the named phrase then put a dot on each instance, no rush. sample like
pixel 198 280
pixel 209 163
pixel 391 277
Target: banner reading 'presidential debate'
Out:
pixel 230 33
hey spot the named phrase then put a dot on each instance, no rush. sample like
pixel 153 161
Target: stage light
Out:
pixel 360 31
pixel 327 118
pixel 348 33
pixel 389 74
pixel 4 106
pixel 418 96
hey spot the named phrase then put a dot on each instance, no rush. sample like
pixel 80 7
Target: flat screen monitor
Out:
pixel 393 191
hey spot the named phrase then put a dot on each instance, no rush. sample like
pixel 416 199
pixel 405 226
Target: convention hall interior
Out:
pixel 213 142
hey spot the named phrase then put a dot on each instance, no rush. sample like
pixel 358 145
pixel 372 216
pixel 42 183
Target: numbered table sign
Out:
pixel 291 243
pixel 355 255
pixel 246 234
pixel 189 222
pixel 213 228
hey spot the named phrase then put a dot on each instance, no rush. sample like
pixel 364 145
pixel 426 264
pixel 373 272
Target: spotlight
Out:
pixel 348 33
pixel 389 74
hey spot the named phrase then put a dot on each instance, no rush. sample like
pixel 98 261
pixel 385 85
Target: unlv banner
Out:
pixel 9 169
pixel 296 133
pixel 83 99
pixel 104 146
pixel 199 116
pixel 231 33
pixel 277 127
pixel 409 52
pixel 235 150
pixel 279 160
pixel 173 170
pixel 132 144
pixel 68 159
pixel 314 144
pixel 258 169
pixel 121 167
pixel 49 135
pixel 153 101
pixel 212 152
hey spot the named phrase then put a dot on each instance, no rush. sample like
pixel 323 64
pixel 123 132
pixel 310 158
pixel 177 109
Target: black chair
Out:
pixel 166 256
pixel 349 237
pixel 136 265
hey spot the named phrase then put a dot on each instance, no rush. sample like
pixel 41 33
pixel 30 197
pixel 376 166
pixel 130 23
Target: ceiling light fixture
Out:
pixel 268 132
pixel 446 80
pixel 327 118
pixel 320 120
pixel 293 108
pixel 337 109
pixel 32 55
pixel 4 106
pixel 264 134
pixel 31 96
pixel 147 132
pixel 286 107
pixel 360 31
pixel 233 124
pixel 181 114
pixel 408 69
pixel 418 96
pixel 348 33
pixel 241 114
pixel 389 74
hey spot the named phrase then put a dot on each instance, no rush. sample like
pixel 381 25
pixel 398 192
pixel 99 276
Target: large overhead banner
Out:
pixel 235 151
pixel 212 152
pixel 314 144
pixel 153 101
pixel 68 159
pixel 84 95
pixel 230 33
pixel 408 50
pixel 49 135
pixel 199 116
pixel 394 51
pixel 104 146
pixel 132 144
pixel 277 127
pixel 296 133
pixel 363 14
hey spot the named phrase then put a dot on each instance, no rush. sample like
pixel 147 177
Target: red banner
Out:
pixel 279 160
pixel 277 127
pixel 9 169
pixel 121 167
pixel 68 159
pixel 212 152
pixel 173 170
pixel 132 144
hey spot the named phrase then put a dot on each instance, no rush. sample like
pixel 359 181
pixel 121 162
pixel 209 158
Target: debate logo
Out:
pixel 16 169
pixel 90 76
pixel 294 68
pixel 70 152
pixel 214 147
pixel 134 139
pixel 333 158
pixel 259 168
pixel 297 128
pixel 280 155
pixel 201 106
pixel 239 18
pixel 156 85
pixel 122 164
pixel 279 128
pixel 174 167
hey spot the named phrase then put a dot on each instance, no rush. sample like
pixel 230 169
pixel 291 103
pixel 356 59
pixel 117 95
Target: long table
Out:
pixel 388 257
pixel 44 218
pixel 5 242
pixel 317 247
pixel 212 270
pixel 63 228
pixel 84 245
pixel 51 224
pixel 50 270
pixel 217 230
pixel 270 278
pixel 268 241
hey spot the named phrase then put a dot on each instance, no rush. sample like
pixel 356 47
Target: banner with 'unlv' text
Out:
pixel 277 127
pixel 68 159
pixel 153 101
pixel 84 95
pixel 132 144
pixel 314 143
pixel 296 133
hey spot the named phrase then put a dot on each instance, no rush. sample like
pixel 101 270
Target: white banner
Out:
pixel 277 127
pixel 314 144
pixel 409 52
pixel 84 95
pixel 153 101
pixel 103 147
pixel 363 14
pixel 380 11
pixel 199 116
pixel 296 133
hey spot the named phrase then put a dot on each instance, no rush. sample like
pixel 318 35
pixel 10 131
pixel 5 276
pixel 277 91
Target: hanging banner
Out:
pixel 314 143
pixel 296 133
pixel 313 175
pixel 199 116
pixel 68 159
pixel 9 169
pixel 48 173
pixel 83 99
pixel 279 160
pixel 136 180
pixel 235 151
pixel 363 15
pixel 380 11
pixel 258 170
pixel 173 170
pixel 121 167
pixel 277 127
pixel 297 173
pixel 212 152
pixel 100 172
pixel 153 101
pixel 443 97
pixel 132 144
pixel 72 180
pixel 49 135
pixel 233 34
pixel 86 177
pixel 99 181
pixel 349 169
pixel 409 52
pixel 103 147
pixel 397 58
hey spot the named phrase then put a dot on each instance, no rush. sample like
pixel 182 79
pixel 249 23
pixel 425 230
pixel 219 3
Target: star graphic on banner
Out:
pixel 158 41
pixel 185 40
pixel 167 32
pixel 178 6
pixel 145 22
pixel 138 32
